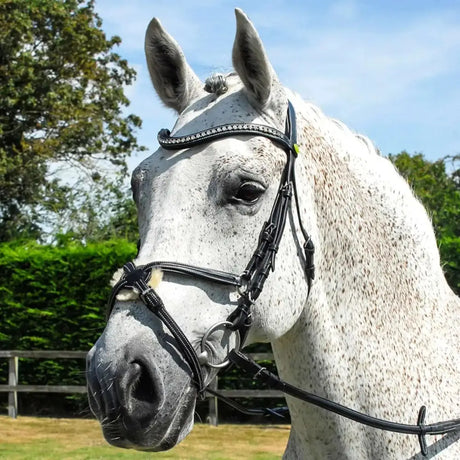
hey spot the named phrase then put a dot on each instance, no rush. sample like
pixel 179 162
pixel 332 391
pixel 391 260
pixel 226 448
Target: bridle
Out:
pixel 250 284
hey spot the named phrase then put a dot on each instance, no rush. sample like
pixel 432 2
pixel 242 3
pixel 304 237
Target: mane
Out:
pixel 335 128
pixel 218 83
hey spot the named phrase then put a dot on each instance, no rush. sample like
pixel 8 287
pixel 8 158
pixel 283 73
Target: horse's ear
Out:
pixel 174 80
pixel 251 62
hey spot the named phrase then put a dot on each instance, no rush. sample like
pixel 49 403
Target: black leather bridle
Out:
pixel 251 282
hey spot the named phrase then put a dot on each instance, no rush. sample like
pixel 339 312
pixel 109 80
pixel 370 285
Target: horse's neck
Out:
pixel 377 260
pixel 374 237
pixel 379 291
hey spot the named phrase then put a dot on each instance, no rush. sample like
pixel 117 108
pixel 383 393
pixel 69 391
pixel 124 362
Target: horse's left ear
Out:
pixel 251 62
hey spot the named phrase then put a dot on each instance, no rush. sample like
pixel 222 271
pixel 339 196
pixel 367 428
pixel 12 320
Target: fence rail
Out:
pixel 13 387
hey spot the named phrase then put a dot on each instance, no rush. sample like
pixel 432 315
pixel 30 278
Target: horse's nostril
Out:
pixel 143 385
pixel 141 391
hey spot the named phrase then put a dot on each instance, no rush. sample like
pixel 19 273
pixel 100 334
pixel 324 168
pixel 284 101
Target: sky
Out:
pixel 388 69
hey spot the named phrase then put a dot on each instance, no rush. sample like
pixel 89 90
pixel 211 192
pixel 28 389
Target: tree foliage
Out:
pixel 61 101
pixel 437 184
pixel 99 214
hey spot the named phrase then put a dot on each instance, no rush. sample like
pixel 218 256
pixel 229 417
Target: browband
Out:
pixel 208 135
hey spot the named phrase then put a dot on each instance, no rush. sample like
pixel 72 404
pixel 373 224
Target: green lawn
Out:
pixel 30 438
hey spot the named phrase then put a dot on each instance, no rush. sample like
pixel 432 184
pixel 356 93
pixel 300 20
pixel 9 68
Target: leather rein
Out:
pixel 250 284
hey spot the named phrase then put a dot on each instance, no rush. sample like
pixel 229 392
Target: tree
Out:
pixel 108 213
pixel 439 191
pixel 61 102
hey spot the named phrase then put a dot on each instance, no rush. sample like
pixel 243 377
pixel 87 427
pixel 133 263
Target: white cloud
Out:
pixel 371 66
pixel 396 83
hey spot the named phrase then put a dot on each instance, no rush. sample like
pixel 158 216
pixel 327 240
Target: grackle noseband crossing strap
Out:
pixel 251 282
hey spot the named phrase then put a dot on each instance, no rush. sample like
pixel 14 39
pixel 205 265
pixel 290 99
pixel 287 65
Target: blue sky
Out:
pixel 388 69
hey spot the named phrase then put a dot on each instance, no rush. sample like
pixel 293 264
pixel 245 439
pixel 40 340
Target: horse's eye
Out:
pixel 249 192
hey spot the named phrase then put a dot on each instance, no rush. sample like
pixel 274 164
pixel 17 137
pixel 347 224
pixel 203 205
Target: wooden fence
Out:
pixel 13 387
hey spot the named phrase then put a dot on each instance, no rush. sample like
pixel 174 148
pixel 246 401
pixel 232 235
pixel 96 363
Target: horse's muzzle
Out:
pixel 135 408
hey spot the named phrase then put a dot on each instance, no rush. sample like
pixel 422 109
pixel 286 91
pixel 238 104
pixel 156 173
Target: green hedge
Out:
pixel 54 298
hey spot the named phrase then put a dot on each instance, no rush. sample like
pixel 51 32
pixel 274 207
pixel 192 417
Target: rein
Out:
pixel 250 284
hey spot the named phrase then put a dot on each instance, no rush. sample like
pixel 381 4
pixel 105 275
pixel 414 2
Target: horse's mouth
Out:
pixel 166 429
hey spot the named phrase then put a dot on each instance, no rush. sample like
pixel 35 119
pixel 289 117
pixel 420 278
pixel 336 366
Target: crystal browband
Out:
pixel 208 135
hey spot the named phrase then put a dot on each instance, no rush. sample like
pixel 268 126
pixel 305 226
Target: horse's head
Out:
pixel 203 206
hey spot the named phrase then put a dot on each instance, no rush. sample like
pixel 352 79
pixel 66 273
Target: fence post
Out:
pixel 13 378
pixel 213 409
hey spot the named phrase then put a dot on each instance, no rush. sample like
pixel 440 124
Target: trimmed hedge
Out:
pixel 54 298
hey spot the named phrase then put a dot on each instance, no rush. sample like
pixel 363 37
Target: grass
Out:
pixel 31 438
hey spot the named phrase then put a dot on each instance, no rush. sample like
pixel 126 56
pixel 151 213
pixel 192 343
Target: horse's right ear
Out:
pixel 173 79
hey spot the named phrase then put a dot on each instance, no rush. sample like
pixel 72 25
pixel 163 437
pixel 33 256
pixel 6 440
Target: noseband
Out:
pixel 250 284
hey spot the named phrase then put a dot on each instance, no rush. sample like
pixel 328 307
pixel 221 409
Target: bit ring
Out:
pixel 204 352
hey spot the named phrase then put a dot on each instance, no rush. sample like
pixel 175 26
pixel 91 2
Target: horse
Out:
pixel 378 330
